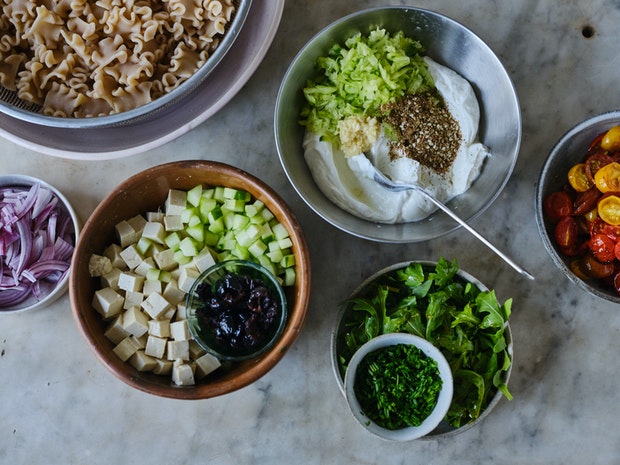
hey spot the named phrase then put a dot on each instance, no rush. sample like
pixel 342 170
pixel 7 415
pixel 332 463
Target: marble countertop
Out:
pixel 60 405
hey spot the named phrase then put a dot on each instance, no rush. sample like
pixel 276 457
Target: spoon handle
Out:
pixel 480 237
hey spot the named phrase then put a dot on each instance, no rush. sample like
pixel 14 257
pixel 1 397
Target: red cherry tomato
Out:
pixel 557 205
pixel 603 248
pixel 616 283
pixel 595 162
pixel 566 232
pixel 595 269
pixel 586 201
pixel 596 142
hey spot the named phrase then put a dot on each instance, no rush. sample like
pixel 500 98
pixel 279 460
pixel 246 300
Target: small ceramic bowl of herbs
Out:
pixel 453 311
pixel 236 310
pixel 399 386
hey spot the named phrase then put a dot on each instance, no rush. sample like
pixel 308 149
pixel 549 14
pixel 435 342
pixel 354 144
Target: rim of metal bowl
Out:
pixel 552 179
pixel 444 430
pixel 383 232
pixel 10 103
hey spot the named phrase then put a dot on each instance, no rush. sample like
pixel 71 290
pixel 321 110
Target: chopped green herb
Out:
pixel 465 323
pixel 356 78
pixel 397 386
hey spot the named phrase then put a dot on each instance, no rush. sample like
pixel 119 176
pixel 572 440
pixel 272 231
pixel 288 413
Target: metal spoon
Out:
pixel 387 183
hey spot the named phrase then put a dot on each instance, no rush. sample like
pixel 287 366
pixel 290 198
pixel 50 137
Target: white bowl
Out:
pixel 443 401
pixel 52 293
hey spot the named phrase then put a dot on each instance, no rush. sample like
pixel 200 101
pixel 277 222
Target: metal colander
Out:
pixel 12 105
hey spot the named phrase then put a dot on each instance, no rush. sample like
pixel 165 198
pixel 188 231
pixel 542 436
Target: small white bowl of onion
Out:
pixel 38 233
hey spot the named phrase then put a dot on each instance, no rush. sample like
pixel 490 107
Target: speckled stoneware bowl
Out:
pixel 569 150
pixel 147 191
pixel 443 400
pixel 51 291
pixel 443 429
pixel 447 42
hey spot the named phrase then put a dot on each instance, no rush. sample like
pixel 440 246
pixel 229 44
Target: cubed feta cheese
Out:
pixel 159 328
pixel 182 374
pixel 165 259
pixel 115 331
pixel 155 305
pixel 151 287
pixel 131 256
pixel 108 302
pixel 173 223
pixel 177 350
pixel 172 293
pixel 113 252
pixel 175 202
pixel 163 367
pixel 154 231
pixel 135 321
pixel 126 348
pixel 187 277
pixel 125 233
pixel 155 346
pixel 179 331
pixel 133 299
pixel 111 279
pixel 142 362
pixel 130 282
pixel 206 364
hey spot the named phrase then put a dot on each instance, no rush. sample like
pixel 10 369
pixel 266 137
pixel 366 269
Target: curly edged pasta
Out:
pixel 82 58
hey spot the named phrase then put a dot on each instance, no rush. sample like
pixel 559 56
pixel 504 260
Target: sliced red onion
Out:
pixel 37 239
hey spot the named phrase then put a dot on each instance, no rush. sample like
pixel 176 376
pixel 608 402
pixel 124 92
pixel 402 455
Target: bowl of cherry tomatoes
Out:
pixel 578 205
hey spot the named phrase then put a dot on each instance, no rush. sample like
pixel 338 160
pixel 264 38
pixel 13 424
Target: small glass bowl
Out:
pixel 443 401
pixel 205 337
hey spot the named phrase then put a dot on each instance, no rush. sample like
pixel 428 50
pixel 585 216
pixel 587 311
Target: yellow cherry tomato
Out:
pixel 607 179
pixel 591 215
pixel 611 139
pixel 578 179
pixel 609 209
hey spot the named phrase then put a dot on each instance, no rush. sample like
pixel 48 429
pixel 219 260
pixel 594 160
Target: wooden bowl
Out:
pixel 147 191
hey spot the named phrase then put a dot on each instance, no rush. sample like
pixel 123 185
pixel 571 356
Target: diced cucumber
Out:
pixel 188 247
pixel 194 195
pixel 280 231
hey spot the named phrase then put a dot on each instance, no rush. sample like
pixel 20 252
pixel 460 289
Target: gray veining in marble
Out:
pixel 59 405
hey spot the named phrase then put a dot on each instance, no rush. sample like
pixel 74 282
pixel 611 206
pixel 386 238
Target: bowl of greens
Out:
pixel 393 367
pixel 451 309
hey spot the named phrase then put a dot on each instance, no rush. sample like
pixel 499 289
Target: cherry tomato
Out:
pixel 557 205
pixel 607 178
pixel 586 201
pixel 603 248
pixel 578 179
pixel 596 142
pixel 566 232
pixel 595 269
pixel 594 163
pixel 577 267
pixel 616 283
pixel 609 209
pixel 611 139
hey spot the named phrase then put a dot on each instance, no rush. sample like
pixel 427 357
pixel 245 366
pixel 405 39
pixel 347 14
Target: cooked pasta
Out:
pixel 83 58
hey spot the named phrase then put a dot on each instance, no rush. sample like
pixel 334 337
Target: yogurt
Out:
pixel 348 182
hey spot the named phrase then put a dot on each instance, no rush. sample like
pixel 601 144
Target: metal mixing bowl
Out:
pixel 569 150
pixel 450 44
pixel 12 105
